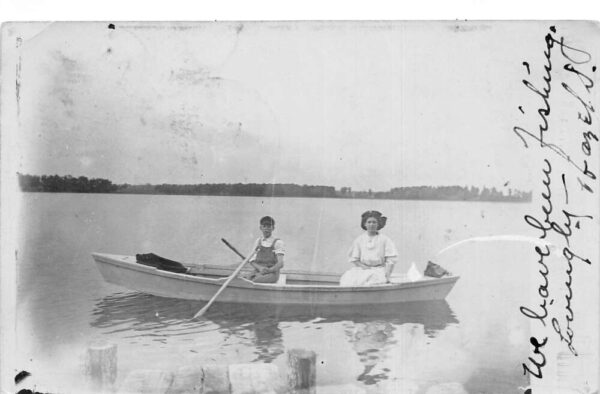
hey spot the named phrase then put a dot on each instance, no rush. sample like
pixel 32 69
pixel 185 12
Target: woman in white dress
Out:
pixel 372 253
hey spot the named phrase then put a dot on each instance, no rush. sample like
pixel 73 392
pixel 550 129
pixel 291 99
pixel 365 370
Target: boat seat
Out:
pixel 281 280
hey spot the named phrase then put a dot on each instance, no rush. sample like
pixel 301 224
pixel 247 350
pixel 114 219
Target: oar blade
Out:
pixel 201 312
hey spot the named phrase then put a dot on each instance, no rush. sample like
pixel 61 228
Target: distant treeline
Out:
pixel 70 184
pixel 66 184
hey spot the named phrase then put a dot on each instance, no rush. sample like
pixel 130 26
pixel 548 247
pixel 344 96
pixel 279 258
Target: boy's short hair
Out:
pixel 267 220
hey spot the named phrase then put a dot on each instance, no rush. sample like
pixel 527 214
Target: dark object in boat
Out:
pixel 160 263
pixel 435 271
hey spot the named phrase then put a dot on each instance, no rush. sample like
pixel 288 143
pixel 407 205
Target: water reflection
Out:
pixel 376 331
pixel 371 331
pixel 370 341
pixel 138 315
pixel 145 312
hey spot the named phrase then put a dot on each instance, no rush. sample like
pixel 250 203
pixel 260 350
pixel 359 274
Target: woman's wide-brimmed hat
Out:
pixel 373 214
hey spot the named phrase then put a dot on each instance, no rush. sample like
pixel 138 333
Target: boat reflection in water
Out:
pixel 371 331
pixel 379 331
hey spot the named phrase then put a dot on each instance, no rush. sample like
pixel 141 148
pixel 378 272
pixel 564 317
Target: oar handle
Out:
pixel 232 248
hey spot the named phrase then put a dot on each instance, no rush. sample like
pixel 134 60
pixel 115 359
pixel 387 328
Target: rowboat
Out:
pixel 201 282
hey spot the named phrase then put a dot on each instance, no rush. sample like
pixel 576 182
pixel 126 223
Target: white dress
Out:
pixel 373 251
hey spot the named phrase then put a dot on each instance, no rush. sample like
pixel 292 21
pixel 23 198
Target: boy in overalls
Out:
pixel 268 259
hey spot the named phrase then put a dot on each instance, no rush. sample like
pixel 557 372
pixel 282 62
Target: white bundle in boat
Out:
pixel 413 273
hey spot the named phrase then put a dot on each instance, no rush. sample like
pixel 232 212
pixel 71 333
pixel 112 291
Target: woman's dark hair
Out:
pixel 381 220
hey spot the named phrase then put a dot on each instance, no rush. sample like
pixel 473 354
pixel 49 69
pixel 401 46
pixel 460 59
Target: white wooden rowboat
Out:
pixel 294 287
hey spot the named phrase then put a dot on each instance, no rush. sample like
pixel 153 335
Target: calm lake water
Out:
pixel 476 337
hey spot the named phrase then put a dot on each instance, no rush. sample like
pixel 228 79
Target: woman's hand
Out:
pixel 389 267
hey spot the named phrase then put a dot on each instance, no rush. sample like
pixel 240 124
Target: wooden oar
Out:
pixel 231 277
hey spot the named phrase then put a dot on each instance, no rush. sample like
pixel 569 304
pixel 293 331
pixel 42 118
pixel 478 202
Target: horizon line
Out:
pixel 275 183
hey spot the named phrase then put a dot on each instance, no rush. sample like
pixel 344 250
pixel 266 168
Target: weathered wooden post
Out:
pixel 215 379
pixel 101 365
pixel 255 378
pixel 302 370
pixel 147 381
pixel 187 380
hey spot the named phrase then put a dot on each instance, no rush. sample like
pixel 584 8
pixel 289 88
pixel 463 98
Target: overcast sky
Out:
pixel 370 105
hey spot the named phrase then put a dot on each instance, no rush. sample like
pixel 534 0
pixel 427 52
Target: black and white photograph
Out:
pixel 300 207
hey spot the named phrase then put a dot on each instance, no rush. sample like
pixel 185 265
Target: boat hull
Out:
pixel 124 271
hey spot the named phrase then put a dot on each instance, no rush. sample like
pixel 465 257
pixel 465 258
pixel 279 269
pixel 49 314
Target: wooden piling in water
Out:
pixel 215 379
pixel 254 379
pixel 101 365
pixel 101 370
pixel 147 381
pixel 187 380
pixel 302 370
